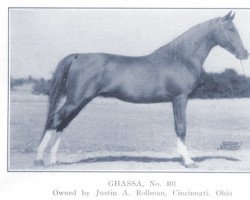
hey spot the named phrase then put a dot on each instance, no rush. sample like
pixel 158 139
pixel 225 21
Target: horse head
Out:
pixel 227 36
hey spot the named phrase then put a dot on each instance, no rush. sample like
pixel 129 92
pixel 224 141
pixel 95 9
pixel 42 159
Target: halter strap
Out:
pixel 242 68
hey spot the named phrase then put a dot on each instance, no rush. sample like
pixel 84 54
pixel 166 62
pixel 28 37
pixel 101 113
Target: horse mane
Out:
pixel 183 45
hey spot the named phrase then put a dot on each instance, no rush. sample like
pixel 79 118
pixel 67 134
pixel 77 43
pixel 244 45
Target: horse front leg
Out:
pixel 179 109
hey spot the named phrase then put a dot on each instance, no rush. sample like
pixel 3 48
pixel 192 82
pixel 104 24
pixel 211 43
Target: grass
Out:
pixel 108 125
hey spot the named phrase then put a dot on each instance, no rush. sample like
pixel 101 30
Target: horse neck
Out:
pixel 192 46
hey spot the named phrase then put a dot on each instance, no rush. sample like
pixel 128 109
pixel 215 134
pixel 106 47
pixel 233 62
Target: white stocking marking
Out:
pixel 182 150
pixel 43 145
pixel 54 149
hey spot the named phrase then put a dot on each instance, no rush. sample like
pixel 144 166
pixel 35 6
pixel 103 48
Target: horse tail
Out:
pixel 58 88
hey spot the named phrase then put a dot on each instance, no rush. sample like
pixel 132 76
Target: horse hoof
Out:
pixel 191 166
pixel 38 162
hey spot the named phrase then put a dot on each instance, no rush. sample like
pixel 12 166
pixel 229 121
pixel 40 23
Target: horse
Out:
pixel 168 74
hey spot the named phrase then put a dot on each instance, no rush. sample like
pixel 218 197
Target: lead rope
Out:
pixel 242 67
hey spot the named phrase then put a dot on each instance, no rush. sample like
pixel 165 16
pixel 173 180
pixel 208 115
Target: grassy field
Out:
pixel 112 135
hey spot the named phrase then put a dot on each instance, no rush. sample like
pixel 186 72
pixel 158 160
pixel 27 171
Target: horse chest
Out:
pixel 177 80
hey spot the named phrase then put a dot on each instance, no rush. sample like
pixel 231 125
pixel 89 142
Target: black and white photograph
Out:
pixel 129 89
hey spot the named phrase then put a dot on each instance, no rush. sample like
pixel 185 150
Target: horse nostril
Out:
pixel 237 52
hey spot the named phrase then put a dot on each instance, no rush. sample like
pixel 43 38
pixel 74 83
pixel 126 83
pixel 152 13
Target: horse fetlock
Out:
pixel 53 159
pixel 188 162
pixel 53 164
pixel 181 130
pixel 192 165
pixel 183 152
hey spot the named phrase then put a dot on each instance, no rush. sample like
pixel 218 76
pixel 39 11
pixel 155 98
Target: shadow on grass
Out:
pixel 145 159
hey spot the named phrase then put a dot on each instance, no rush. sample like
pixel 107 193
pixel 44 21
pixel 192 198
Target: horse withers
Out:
pixel 169 74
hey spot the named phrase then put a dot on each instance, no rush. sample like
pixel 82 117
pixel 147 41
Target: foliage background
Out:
pixel 227 84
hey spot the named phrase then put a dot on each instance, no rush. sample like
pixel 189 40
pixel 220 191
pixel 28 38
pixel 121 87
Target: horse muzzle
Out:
pixel 241 55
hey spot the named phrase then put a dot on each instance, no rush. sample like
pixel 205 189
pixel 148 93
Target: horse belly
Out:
pixel 140 87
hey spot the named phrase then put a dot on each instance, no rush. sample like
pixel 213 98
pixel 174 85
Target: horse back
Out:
pixel 133 79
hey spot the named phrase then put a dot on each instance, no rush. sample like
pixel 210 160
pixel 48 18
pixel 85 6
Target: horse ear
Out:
pixel 226 17
pixel 232 17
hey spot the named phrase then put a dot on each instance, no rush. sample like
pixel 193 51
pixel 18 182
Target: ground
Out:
pixel 113 135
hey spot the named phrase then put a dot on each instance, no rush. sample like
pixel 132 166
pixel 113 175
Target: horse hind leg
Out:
pixel 42 147
pixel 78 97
pixel 60 121
pixel 52 136
pixel 54 149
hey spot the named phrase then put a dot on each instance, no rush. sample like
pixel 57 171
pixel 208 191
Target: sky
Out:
pixel 40 38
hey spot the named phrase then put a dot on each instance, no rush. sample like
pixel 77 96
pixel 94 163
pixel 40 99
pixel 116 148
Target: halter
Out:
pixel 232 47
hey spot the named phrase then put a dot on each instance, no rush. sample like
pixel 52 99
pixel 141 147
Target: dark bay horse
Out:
pixel 169 74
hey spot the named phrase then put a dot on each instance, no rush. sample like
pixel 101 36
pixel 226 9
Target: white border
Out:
pixel 40 185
